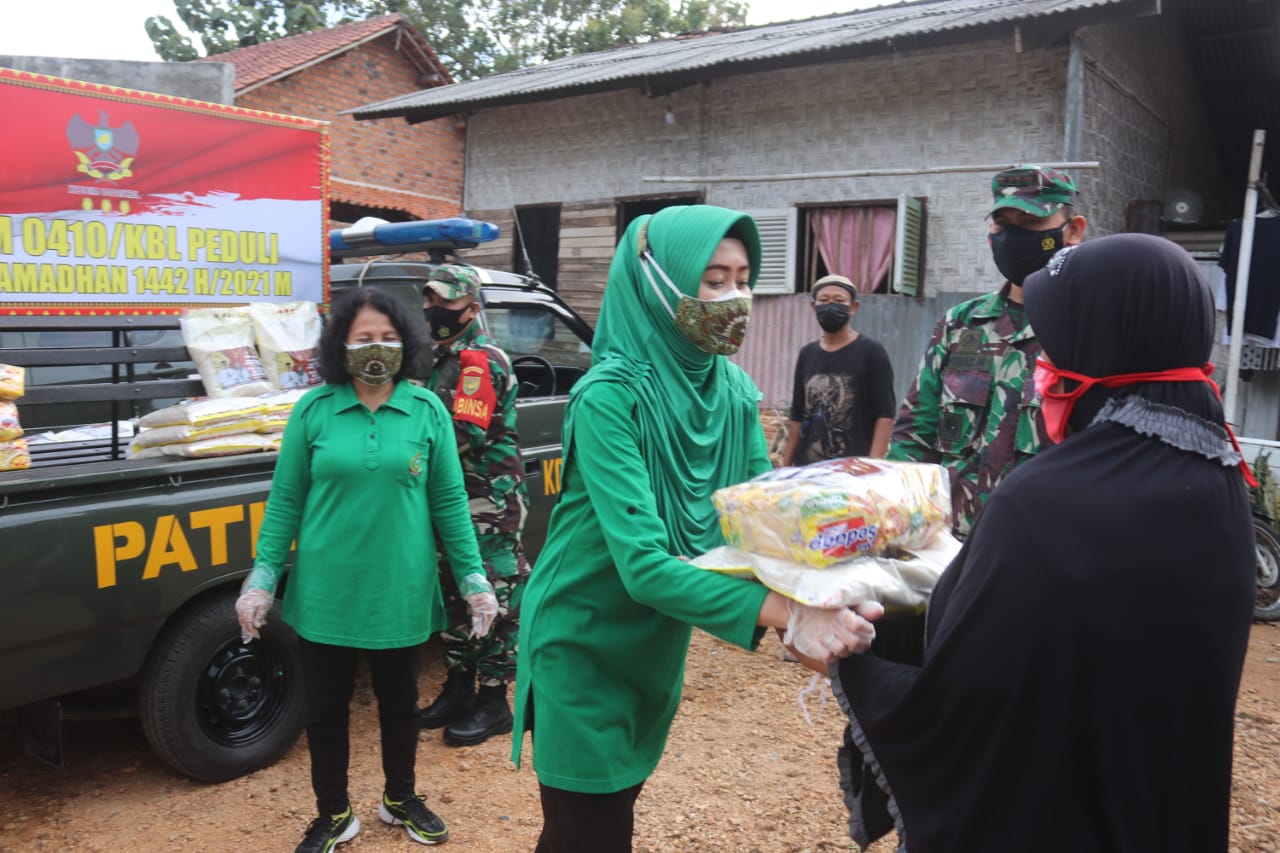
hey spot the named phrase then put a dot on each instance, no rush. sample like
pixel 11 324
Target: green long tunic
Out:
pixel 607 611
pixel 360 490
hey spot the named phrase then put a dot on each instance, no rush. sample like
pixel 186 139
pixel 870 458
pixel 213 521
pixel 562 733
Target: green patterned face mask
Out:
pixel 717 326
pixel 374 364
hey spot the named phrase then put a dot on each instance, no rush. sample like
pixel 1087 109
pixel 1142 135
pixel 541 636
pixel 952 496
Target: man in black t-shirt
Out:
pixel 843 403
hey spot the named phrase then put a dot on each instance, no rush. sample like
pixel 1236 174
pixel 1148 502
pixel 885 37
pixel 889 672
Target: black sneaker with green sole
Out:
pixel 423 825
pixel 328 831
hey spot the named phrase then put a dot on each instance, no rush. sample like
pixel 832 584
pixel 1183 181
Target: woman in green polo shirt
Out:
pixel 367 466
pixel 660 422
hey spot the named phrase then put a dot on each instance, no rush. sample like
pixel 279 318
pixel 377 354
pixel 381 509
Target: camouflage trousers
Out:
pixel 493 657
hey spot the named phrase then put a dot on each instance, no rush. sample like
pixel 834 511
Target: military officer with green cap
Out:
pixel 972 406
pixel 473 377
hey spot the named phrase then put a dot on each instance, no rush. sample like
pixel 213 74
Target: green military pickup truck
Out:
pixel 120 576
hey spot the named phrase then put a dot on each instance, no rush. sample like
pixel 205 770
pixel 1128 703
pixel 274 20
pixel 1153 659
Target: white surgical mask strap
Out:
pixel 646 258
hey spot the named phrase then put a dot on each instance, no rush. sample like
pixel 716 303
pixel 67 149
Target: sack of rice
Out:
pixel 826 512
pixel 221 343
pixel 223 445
pixel 204 412
pixel 288 336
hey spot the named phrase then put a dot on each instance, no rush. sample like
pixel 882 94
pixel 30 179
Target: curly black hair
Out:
pixel 333 340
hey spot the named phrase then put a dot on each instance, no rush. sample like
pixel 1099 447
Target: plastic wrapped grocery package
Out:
pixel 13 382
pixel 10 426
pixel 899 582
pixel 820 514
pixel 186 433
pixel 14 455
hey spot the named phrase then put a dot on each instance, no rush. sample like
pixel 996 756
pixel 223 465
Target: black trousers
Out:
pixel 587 823
pixel 329 673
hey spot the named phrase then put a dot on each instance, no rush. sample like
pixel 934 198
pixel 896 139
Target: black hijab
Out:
pixel 1128 303
pixel 1085 648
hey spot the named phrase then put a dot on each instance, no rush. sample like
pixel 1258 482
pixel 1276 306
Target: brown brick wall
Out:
pixel 386 163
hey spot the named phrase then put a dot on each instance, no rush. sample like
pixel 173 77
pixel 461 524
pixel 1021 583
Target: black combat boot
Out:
pixel 454 700
pixel 489 716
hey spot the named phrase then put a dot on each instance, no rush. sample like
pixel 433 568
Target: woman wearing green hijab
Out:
pixel 660 422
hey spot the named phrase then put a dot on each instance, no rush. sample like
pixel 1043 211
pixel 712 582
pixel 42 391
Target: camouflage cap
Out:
pixel 1034 189
pixel 454 281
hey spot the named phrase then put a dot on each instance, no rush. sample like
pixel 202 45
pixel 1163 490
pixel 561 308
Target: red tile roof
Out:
pixel 280 57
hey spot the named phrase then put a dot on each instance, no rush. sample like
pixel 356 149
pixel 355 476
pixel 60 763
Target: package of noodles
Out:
pixel 288 337
pixel 221 343
pixel 829 511
pixel 10 426
pixel 13 382
pixel 205 412
pixel 14 455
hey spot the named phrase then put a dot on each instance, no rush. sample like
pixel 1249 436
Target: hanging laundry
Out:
pixel 1262 303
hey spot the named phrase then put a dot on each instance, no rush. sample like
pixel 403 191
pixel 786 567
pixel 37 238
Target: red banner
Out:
pixel 117 201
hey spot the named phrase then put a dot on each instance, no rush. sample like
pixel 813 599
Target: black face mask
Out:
pixel 833 316
pixel 1018 252
pixel 445 322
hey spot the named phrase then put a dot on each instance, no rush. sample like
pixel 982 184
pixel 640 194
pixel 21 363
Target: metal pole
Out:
pixel 1229 400
pixel 856 173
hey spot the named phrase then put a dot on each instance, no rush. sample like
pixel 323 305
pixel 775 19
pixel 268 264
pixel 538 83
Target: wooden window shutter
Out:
pixel 908 247
pixel 777 250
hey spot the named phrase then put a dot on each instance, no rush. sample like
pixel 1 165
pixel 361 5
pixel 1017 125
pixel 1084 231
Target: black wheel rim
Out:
pixel 241 693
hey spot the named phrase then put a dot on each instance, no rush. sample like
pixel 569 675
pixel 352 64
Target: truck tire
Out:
pixel 215 708
pixel 1267 604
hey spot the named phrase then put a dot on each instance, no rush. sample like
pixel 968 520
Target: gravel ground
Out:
pixel 743 773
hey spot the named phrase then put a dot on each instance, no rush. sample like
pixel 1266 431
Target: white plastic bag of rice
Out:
pixel 288 335
pixel 221 343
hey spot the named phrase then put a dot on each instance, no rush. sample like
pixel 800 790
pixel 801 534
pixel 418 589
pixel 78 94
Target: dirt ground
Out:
pixel 743 773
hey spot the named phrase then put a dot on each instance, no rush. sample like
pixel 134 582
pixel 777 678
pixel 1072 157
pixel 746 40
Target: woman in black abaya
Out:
pixel 1084 650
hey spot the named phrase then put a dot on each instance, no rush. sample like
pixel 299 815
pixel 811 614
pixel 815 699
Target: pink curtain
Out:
pixel 856 242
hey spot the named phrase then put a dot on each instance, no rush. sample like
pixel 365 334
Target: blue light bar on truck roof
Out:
pixel 371 233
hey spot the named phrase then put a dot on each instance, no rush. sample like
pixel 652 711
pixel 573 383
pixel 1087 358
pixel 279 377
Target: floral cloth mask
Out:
pixel 1056 406
pixel 717 326
pixel 374 364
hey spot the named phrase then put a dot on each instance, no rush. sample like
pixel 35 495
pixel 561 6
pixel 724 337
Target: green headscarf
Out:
pixel 697 411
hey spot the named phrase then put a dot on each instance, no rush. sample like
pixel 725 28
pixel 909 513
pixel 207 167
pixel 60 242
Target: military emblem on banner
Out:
pixel 471 376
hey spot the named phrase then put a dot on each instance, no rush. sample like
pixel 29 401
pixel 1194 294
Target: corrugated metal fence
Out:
pixel 780 325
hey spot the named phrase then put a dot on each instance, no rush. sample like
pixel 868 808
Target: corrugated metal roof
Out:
pixel 671 63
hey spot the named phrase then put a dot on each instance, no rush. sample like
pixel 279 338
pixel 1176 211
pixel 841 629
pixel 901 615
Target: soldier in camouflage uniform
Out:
pixel 473 377
pixel 973 406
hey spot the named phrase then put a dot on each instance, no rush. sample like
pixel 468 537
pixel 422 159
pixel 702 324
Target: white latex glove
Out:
pixel 825 635
pixel 484 607
pixel 251 611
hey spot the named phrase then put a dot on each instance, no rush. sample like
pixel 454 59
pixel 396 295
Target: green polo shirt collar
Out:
pixel 344 397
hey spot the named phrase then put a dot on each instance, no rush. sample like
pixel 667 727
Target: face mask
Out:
pixel 374 364
pixel 1056 406
pixel 717 326
pixel 445 322
pixel 833 316
pixel 1018 252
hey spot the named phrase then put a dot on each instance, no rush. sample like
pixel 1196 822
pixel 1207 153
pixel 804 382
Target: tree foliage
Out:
pixel 223 25
pixel 473 38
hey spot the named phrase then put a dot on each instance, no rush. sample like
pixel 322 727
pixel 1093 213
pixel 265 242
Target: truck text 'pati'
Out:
pixel 174 542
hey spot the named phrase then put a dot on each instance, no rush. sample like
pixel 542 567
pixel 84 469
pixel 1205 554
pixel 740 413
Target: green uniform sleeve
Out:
pixel 915 433
pixel 290 483
pixel 608 458
pixel 447 499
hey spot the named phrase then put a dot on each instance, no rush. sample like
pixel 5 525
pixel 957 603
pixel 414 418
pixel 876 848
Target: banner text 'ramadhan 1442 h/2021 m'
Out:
pixel 122 201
